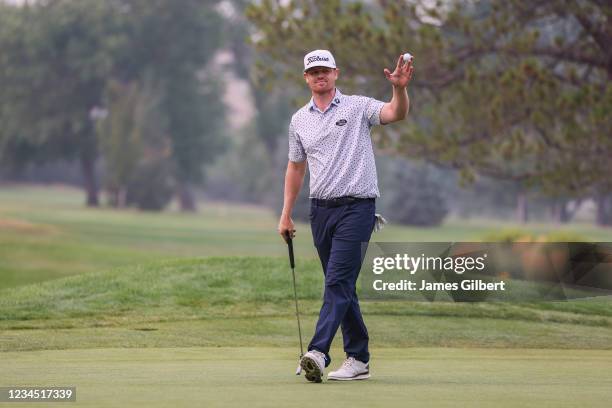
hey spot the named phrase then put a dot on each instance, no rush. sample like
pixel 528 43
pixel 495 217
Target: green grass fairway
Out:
pixel 249 301
pixel 90 298
pixel 263 377
pixel 47 233
pixel 220 332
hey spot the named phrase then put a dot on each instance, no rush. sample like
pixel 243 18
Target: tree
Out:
pixel 417 196
pixel 130 132
pixel 58 55
pixel 513 90
pixel 272 104
pixel 174 41
pixel 56 58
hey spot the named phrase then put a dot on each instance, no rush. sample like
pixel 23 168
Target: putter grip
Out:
pixel 290 245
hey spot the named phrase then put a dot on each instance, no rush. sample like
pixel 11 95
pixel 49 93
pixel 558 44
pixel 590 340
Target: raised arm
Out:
pixel 397 109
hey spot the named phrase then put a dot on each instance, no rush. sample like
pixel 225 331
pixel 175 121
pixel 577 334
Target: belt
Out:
pixel 339 201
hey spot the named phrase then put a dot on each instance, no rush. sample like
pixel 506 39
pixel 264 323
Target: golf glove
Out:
pixel 379 223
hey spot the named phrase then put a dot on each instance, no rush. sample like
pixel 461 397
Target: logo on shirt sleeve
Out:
pixel 341 122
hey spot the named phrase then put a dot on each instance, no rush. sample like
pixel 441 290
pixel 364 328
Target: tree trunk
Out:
pixel 564 215
pixel 604 210
pixel 560 212
pixel 522 214
pixel 122 197
pixel 186 200
pixel 88 163
pixel 113 196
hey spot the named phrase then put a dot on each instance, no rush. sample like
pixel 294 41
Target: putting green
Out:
pixel 263 377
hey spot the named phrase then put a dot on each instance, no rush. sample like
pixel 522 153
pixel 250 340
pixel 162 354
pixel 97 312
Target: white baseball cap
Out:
pixel 319 58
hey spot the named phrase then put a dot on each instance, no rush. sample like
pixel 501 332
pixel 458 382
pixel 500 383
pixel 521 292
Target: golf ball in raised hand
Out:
pixel 407 57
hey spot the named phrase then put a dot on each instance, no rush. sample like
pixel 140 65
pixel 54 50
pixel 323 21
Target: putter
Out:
pixel 297 312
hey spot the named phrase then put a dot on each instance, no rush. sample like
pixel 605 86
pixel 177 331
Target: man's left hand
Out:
pixel 402 74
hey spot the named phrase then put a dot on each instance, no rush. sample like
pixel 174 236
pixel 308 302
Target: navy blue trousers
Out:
pixel 339 235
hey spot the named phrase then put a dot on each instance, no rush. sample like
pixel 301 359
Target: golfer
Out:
pixel 332 134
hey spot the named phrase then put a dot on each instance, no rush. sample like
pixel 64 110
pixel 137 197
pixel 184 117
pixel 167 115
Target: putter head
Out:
pixel 299 370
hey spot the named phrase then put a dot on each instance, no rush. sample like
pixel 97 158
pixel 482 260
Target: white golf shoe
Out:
pixel 351 370
pixel 313 364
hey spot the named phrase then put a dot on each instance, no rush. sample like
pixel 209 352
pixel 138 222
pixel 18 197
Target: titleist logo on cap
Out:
pixel 317 58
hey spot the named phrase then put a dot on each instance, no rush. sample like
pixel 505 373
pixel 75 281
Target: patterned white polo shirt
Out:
pixel 338 146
